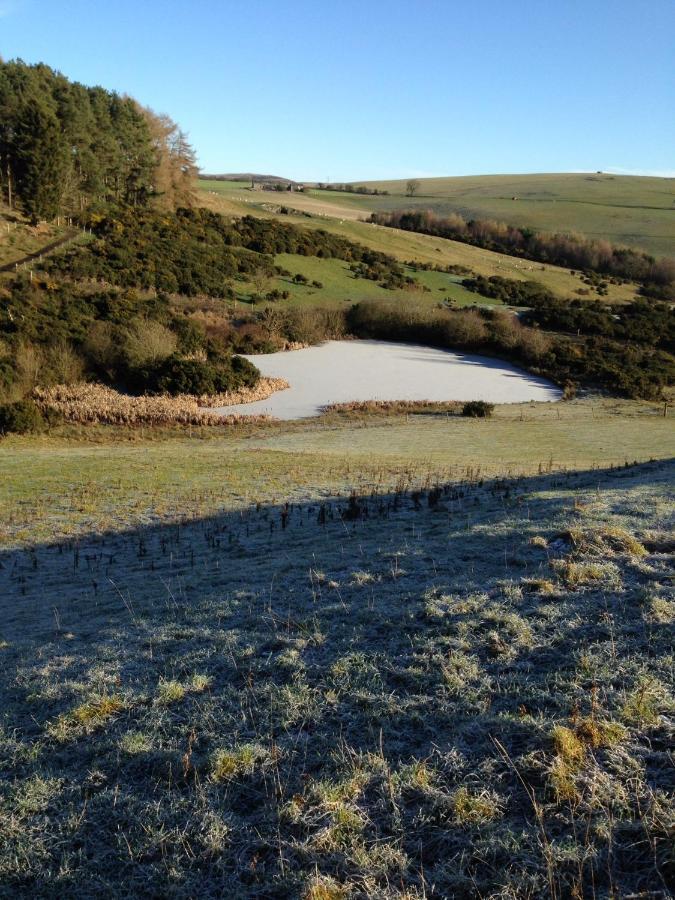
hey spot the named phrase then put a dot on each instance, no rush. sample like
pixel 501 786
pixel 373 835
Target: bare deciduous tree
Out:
pixel 412 187
pixel 261 281
pixel 272 320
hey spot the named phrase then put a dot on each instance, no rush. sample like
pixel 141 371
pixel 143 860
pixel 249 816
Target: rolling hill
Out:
pixel 633 210
pixel 329 211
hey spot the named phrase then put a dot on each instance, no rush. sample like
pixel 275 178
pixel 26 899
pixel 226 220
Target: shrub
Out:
pixel 102 349
pixel 190 334
pixel 64 365
pixel 22 417
pixel 478 409
pixel 147 341
pixel 177 375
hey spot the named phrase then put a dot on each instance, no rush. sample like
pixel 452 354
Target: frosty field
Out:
pixel 429 693
pixel 383 656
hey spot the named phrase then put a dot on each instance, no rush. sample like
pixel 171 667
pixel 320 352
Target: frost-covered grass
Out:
pixel 398 695
pixel 99 478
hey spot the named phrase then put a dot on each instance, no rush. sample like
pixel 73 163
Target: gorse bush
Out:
pixel 177 375
pixel 641 322
pixel 195 251
pixel 478 409
pixel 508 290
pixel 21 417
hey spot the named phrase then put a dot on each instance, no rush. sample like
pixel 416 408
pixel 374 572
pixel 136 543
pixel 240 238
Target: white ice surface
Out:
pixel 341 371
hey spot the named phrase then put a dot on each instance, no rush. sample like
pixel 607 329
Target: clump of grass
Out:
pixel 344 830
pixel 662 611
pixel 582 574
pixel 170 691
pixel 562 780
pixel 597 733
pixel 571 743
pixel 418 776
pixel 622 541
pixel 361 578
pixel 538 541
pixel 98 710
pixel 334 793
pixel 539 585
pixel 33 795
pixel 475 808
pixel 135 742
pixel 610 538
pixel 322 888
pixel 216 833
pixel 459 670
pixel 570 756
pixel 242 760
pixel 200 683
pixel 571 748
pixel 88 716
pixel 436 604
pixel 568 746
pixel 641 706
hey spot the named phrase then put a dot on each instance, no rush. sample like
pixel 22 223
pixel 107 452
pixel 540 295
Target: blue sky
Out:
pixel 373 89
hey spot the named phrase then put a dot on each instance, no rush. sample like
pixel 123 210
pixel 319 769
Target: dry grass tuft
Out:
pixel 604 539
pixel 568 745
pixel 539 585
pixel 93 404
pixel 322 888
pixel 641 707
pixel 244 760
pixel 85 718
pixel 170 692
pixel 582 574
pixel 97 711
pixel 597 733
pixel 475 808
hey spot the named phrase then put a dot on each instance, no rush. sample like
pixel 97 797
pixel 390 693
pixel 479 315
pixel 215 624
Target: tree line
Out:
pixel 570 250
pixel 65 147
pixel 347 188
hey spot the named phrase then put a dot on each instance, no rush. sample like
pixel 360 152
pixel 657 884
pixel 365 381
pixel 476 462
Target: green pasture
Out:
pixel 339 285
pixel 632 210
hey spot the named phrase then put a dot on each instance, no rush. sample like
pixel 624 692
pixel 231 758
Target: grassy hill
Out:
pixel 631 210
pixel 20 240
pixel 465 691
pixel 324 209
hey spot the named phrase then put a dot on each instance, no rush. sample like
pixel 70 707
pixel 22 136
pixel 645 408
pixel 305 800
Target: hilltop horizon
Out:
pixel 217 172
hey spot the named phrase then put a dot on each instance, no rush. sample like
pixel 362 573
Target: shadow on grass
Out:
pixel 332 650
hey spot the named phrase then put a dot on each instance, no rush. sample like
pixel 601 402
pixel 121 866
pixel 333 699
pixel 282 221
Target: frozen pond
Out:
pixel 340 371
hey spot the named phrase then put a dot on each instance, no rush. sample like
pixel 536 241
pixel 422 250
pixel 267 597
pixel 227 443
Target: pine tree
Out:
pixel 42 162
